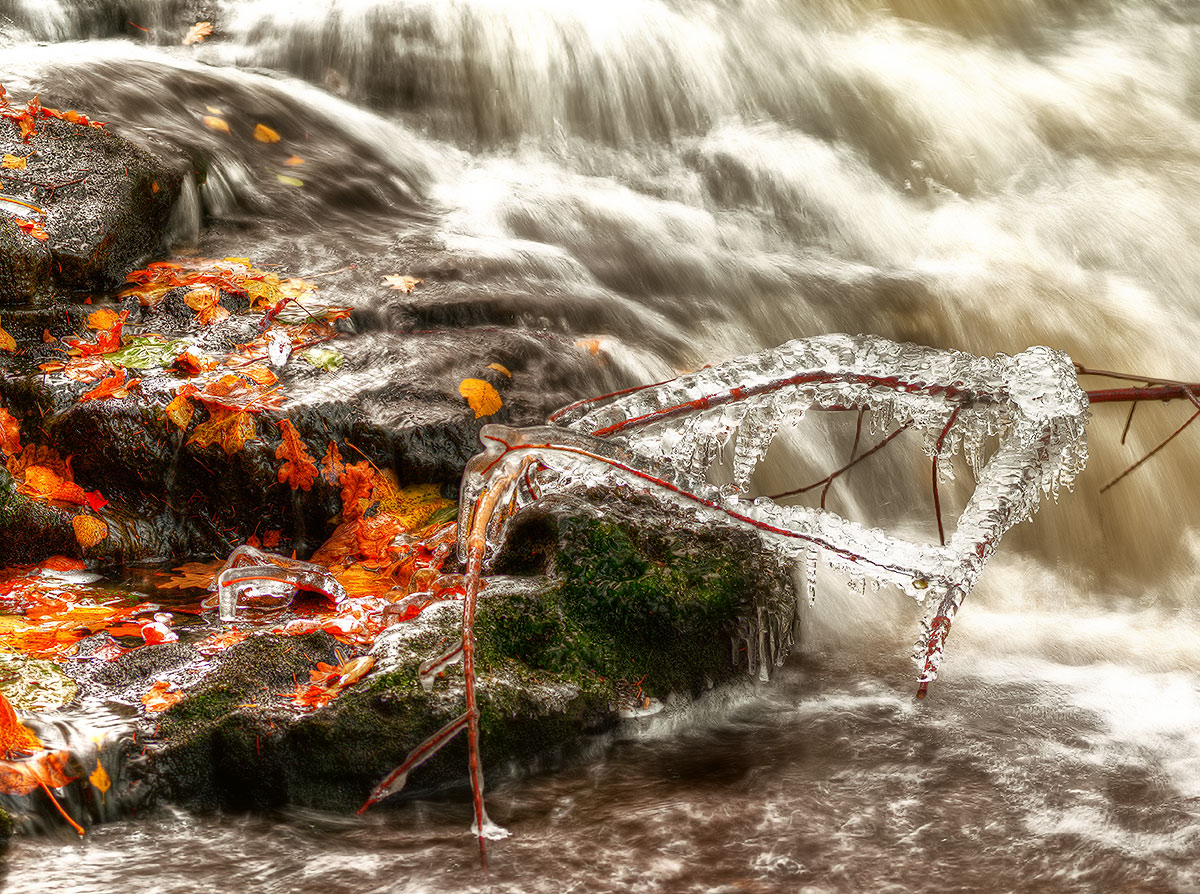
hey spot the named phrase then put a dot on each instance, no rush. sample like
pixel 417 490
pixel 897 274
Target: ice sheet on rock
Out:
pixel 251 577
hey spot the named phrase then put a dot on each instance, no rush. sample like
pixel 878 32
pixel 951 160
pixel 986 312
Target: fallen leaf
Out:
pixel 332 466
pixel 106 342
pixel 294 160
pixel 148 352
pixel 14 162
pixel 328 359
pixel 358 487
pixel 288 180
pixel 115 386
pixel 99 778
pixel 10 433
pixel 89 530
pixel 192 575
pixel 500 369
pixel 264 134
pixel 15 738
pixel 413 506
pixel 47 338
pixel 212 122
pixel 404 284
pixel 161 696
pixel 32 228
pixel 7 342
pixel 298 470
pixel 180 410
pixel 228 429
pixel 327 681
pixel 46 484
pixel 197 33
pixel 104 318
pixel 480 396
pixel 45 770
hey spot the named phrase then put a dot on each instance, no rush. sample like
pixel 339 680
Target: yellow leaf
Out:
pixel 264 134
pixel 289 181
pixel 293 161
pixel 414 505
pixel 214 110
pixel 100 779
pixel 197 33
pixel 228 429
pixel 180 410
pixel 89 530
pixel 500 369
pixel 7 342
pixel 403 283
pixel 102 319
pixel 14 162
pixel 481 396
pixel 212 122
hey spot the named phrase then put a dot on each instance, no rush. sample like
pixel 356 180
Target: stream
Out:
pixel 673 183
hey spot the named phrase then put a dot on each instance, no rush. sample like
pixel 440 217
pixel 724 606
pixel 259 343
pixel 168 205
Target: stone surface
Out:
pixel 106 207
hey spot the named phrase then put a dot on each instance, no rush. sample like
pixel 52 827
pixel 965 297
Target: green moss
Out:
pixel 7 826
pixel 629 604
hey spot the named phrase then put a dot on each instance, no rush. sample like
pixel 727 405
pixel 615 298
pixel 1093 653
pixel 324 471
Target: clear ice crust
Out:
pixel 662 439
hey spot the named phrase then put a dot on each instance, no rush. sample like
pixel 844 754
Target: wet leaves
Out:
pixel 89 530
pixel 161 696
pixel 327 681
pixel 212 122
pixel 226 428
pixel 115 386
pixel 7 342
pixel 15 738
pixel 14 162
pixel 265 134
pixel 404 284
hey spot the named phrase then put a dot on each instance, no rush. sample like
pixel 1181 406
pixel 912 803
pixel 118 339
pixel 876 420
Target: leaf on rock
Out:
pixel 180 410
pixel 45 484
pixel 7 342
pixel 228 429
pixel 32 228
pixel 15 738
pixel 327 681
pixel 332 466
pixel 264 134
pixel 14 162
pixel 414 506
pixel 298 470
pixel 197 33
pixel 481 396
pixel 115 386
pixel 106 342
pixel 161 696
pixel 10 433
pixel 102 319
pixel 89 530
pixel 358 486
pixel 404 284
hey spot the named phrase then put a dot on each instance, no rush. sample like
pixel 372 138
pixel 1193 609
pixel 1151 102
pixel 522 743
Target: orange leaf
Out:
pixel 10 433
pixel 32 228
pixel 481 396
pixel 201 297
pixel 298 470
pixel 42 483
pixel 100 779
pixel 212 122
pixel 197 33
pixel 89 530
pixel 358 485
pixel 15 737
pixel 160 696
pixel 116 386
pixel 228 429
pixel 293 161
pixel 104 318
pixel 192 575
pixel 500 368
pixel 214 313
pixel 7 342
pixel 332 466
pixel 48 768
pixel 264 134
pixel 180 410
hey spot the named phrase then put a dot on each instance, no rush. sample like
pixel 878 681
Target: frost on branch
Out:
pixel 662 439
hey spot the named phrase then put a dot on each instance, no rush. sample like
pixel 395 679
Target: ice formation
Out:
pixel 264 580
pixel 663 439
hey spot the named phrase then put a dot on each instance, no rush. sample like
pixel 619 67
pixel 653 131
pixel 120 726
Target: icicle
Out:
pixel 811 557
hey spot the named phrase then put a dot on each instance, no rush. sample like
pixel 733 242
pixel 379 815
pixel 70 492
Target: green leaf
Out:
pixel 327 359
pixel 145 352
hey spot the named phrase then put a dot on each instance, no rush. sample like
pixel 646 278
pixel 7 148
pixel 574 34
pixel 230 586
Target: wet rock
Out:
pixel 104 203
pixel 635 610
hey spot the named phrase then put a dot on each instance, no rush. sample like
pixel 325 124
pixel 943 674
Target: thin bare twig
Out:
pixel 845 468
pixel 1169 439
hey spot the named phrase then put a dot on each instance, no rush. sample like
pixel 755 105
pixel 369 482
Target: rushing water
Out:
pixel 688 181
